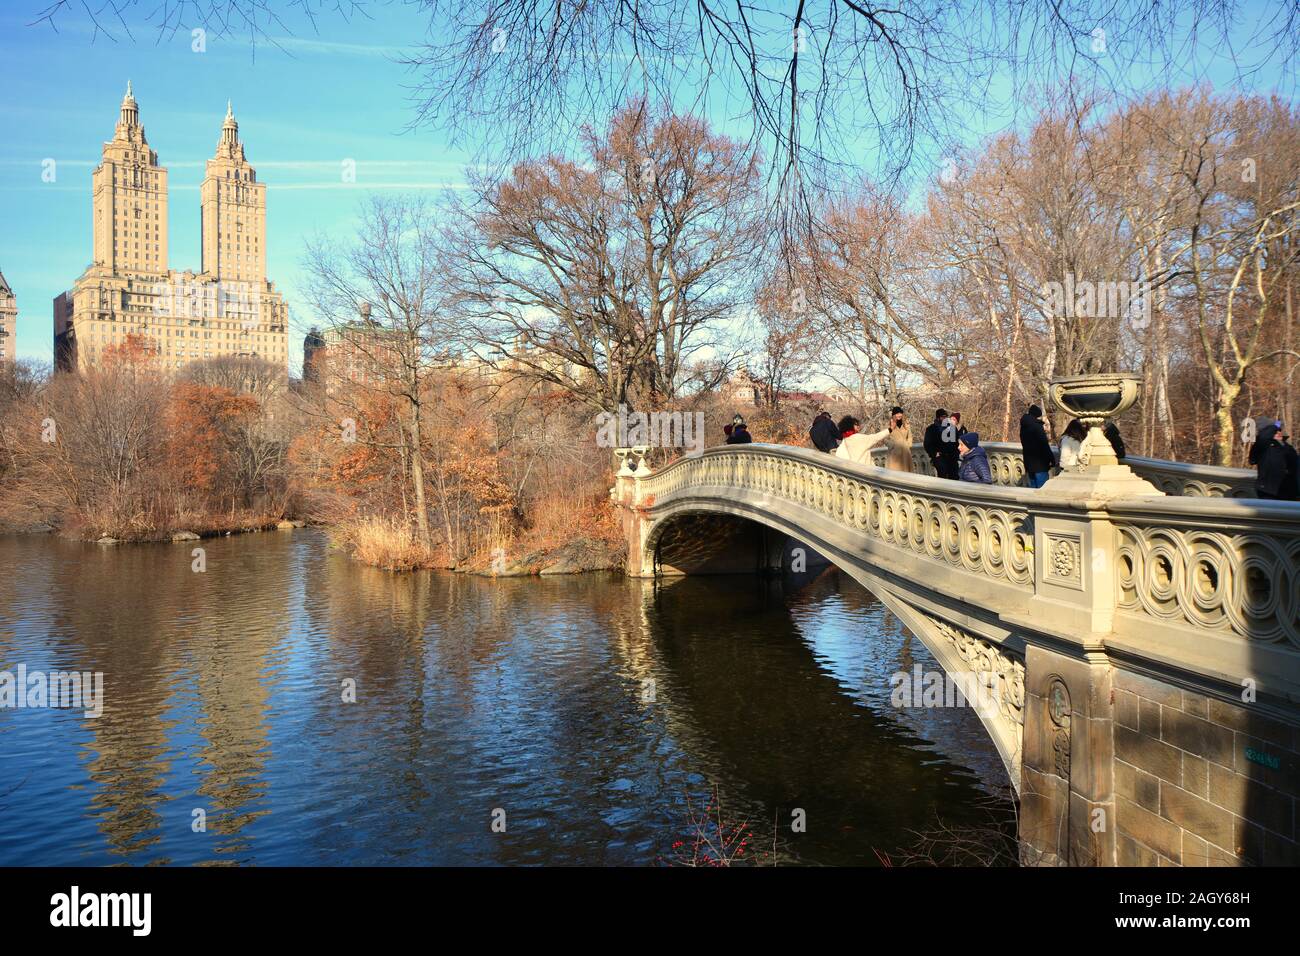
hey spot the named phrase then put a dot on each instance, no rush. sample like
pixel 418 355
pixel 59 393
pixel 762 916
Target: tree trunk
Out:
pixel 1224 432
pixel 1288 380
pixel 417 479
pixel 1011 381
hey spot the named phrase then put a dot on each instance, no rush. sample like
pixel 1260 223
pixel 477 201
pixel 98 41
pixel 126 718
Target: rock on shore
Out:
pixel 573 557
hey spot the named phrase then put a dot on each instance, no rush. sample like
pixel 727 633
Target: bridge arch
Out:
pixel 997 669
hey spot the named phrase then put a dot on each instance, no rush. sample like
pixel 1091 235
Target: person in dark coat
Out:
pixel 1293 467
pixel 1275 464
pixel 940 444
pixel 1111 431
pixel 825 436
pixel 1264 432
pixel 1035 448
pixel 973 465
pixel 739 434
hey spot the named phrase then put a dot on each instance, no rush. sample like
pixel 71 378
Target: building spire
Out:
pixel 130 111
pixel 230 128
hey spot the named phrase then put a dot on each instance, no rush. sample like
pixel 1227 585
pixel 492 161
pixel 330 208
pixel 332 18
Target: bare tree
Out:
pixel 863 269
pixel 610 277
pixel 1233 247
pixel 92 438
pixel 245 374
pixel 385 296
pixel 1185 200
pixel 817 79
pixel 790 347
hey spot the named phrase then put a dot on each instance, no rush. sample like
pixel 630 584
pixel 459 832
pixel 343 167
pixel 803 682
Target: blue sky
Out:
pixel 324 96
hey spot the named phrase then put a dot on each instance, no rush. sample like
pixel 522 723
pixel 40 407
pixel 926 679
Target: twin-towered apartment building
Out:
pixel 8 324
pixel 228 307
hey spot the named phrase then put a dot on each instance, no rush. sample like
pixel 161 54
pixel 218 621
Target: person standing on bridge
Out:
pixel 1293 467
pixel 823 434
pixel 940 443
pixel 974 461
pixel 855 446
pixel 739 433
pixel 1263 423
pixel 1072 453
pixel 899 457
pixel 1275 464
pixel 1035 449
pixel 1111 431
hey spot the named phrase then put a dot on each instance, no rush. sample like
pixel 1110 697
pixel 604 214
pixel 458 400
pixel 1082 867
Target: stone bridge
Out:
pixel 1140 649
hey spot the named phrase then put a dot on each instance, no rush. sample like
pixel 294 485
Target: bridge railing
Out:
pixel 1215 569
pixel 980 529
pixel 1172 477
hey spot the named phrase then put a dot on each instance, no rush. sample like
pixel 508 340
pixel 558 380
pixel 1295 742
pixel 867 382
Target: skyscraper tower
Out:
pixel 128 298
pixel 129 200
pixel 234 212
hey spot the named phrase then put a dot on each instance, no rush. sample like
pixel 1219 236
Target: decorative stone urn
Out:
pixel 632 461
pixel 623 469
pixel 640 453
pixel 1094 400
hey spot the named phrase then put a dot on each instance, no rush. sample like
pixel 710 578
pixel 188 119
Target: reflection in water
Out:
pixel 588 709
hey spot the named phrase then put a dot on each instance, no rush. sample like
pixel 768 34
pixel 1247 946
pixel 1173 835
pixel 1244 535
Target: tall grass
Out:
pixel 383 542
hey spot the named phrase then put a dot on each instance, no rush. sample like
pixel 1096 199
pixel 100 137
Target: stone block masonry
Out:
pixel 1200 781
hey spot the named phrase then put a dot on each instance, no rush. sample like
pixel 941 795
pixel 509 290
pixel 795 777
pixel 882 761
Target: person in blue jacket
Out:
pixel 973 465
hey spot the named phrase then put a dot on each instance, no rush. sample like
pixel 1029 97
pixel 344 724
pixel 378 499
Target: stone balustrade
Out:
pixel 1171 477
pixel 1220 569
pixel 1176 559
pixel 1196 568
pixel 974 528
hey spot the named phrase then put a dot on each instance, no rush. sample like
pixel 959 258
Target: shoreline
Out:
pixel 583 556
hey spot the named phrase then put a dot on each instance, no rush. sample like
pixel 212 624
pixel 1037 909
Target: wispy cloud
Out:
pixel 366 163
pixel 363 186
pixel 336 47
pixel 89 164
pixel 113 31
pixel 42 187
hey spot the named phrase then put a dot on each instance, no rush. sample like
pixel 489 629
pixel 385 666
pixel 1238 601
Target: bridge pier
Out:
pixel 632 511
pixel 1066 787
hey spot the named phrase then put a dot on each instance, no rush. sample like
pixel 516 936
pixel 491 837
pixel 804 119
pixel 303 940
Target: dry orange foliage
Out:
pixel 201 422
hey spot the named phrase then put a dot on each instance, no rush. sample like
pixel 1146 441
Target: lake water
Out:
pixel 592 716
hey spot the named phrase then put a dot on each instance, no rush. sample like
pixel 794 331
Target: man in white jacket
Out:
pixel 856 446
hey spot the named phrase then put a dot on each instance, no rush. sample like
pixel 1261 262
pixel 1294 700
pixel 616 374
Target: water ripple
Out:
pixel 307 710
